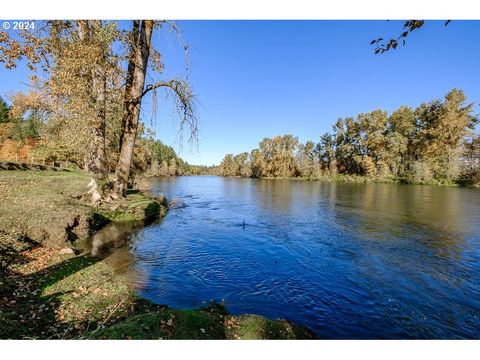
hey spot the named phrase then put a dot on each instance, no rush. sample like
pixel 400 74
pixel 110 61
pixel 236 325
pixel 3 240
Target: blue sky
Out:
pixel 255 79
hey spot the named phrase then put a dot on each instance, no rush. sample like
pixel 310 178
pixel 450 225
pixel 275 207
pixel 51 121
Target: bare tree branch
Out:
pixel 408 27
pixel 185 105
pixel 173 25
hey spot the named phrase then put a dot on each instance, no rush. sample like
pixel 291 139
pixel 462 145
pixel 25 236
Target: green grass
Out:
pixel 45 295
pixel 135 208
pixel 40 205
pixel 82 297
pixel 166 323
pixel 249 327
pixel 91 293
pixel 207 323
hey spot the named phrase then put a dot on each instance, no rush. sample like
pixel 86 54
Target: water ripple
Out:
pixel 347 260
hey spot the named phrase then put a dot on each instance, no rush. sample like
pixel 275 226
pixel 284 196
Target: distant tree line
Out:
pixel 162 160
pixel 434 143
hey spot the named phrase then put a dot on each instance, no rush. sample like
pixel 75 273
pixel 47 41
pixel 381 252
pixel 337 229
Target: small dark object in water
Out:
pixel 243 225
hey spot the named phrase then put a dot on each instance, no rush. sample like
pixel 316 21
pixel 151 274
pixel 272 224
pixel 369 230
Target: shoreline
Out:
pixel 359 179
pixel 48 292
pixel 350 179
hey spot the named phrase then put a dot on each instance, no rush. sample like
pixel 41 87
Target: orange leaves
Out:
pixel 25 46
pixel 23 102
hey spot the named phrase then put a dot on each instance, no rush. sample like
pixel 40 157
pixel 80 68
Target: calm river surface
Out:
pixel 347 260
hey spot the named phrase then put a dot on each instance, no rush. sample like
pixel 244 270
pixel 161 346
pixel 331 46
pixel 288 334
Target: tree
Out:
pixel 257 162
pixel 326 152
pixel 373 126
pixel 78 68
pixel 283 155
pixel 442 128
pixel 369 166
pixel 93 34
pixel 266 148
pixel 420 172
pixel 242 163
pixel 140 47
pixel 436 140
pixel 305 159
pixel 348 149
pixel 140 43
pixel 4 111
pixel 471 153
pixel 228 166
pixel 400 138
pixel 93 102
pixel 32 127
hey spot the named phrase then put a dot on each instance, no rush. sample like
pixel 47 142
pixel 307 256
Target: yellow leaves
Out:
pixel 3 36
pixel 26 46
pixel 23 102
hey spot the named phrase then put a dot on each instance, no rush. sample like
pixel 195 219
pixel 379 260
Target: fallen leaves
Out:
pixel 38 259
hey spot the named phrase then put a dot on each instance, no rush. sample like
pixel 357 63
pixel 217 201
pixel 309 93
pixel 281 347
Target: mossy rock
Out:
pixel 250 327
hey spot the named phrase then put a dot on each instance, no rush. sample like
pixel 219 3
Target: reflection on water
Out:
pixel 112 244
pixel 112 237
pixel 347 260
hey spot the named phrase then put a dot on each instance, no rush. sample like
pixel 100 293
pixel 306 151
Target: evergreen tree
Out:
pixel 31 127
pixel 4 111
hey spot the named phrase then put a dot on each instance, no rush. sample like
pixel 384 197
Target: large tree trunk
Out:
pixel 99 84
pixel 137 69
pixel 95 161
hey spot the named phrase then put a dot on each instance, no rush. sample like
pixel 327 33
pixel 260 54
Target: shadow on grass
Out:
pixel 83 298
pixel 25 313
pixel 15 165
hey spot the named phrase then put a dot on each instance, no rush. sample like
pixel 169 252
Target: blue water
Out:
pixel 349 261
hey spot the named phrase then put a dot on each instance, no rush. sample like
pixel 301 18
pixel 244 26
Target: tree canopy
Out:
pixel 87 84
pixel 435 141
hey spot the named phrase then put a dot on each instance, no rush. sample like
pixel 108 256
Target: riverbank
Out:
pixel 345 178
pixel 49 292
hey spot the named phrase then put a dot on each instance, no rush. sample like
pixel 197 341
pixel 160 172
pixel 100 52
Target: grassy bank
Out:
pixel 345 178
pixel 45 294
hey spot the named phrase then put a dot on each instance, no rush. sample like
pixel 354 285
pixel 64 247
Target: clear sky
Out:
pixel 255 79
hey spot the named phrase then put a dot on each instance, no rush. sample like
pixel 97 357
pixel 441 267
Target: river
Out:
pixel 353 261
